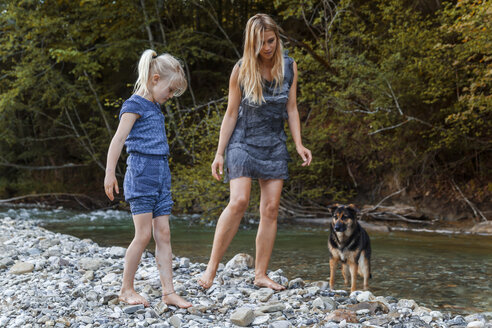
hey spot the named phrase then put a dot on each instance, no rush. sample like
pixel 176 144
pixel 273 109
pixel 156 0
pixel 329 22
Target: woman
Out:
pixel 262 94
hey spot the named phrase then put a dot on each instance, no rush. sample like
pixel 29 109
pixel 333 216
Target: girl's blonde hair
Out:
pixel 249 73
pixel 166 66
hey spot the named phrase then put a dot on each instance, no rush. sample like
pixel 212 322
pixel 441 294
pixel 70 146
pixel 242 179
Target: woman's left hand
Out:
pixel 305 155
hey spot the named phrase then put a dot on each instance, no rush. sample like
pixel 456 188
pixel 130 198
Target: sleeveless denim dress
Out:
pixel 257 146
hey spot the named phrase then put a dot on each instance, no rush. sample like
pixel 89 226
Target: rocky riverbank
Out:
pixel 50 279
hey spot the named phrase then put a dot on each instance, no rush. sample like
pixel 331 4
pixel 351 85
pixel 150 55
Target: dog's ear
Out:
pixel 353 210
pixel 333 207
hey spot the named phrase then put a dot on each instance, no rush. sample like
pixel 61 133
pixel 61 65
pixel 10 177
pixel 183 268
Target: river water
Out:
pixel 446 272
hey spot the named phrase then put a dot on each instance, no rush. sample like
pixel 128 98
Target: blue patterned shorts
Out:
pixel 147 185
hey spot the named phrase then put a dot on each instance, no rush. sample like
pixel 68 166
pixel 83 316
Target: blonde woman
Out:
pixel 262 94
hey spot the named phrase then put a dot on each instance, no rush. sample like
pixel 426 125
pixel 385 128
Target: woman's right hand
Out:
pixel 218 164
pixel 110 183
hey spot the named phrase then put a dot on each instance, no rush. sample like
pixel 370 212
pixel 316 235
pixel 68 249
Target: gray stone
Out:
pixel 161 307
pixel 261 319
pixel 129 309
pixel 474 317
pixel 240 261
pixel 365 296
pixel 21 267
pixel 318 303
pixel 85 319
pixel 272 307
pixel 4 320
pixel 89 275
pixel 321 284
pixel 47 243
pixel 117 252
pixel 92 295
pixel 296 283
pixel 280 324
pixel 34 251
pixel 410 304
pixel 88 263
pixel 110 277
pixel 436 314
pixel 184 262
pixel 5 262
pixel 364 312
pixel 242 317
pixel 109 297
pixel 457 321
pixel 475 324
pixel 229 300
pixel 278 278
pixel 175 321
pixel 313 290
pixel 263 294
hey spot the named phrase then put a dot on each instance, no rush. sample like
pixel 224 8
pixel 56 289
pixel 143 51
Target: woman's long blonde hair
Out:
pixel 166 66
pixel 249 73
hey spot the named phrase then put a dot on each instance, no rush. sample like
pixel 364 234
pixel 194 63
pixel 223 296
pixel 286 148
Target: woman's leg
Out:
pixel 143 231
pixel 164 258
pixel 267 230
pixel 227 226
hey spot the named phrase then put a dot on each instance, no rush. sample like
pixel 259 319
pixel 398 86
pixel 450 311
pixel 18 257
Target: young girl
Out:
pixel 147 184
pixel 262 94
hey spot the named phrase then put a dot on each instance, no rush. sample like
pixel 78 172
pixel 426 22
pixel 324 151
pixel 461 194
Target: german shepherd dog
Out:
pixel 349 243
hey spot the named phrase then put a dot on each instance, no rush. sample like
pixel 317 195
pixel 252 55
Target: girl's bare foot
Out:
pixel 132 297
pixel 206 280
pixel 175 299
pixel 264 281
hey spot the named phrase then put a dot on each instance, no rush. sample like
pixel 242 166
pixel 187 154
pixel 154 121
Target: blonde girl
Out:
pixel 147 184
pixel 262 94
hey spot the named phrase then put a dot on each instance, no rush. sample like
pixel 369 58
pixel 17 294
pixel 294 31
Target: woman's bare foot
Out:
pixel 175 299
pixel 132 297
pixel 207 279
pixel 264 281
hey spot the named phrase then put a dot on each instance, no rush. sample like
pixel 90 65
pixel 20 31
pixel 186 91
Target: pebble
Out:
pixel 21 267
pixel 242 317
pixel 175 321
pixel 475 324
pixel 63 281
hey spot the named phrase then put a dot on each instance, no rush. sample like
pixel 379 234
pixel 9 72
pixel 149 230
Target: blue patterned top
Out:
pixel 148 134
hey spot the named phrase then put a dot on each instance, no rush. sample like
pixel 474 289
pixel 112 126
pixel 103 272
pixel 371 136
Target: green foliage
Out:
pixel 390 93
pixel 406 94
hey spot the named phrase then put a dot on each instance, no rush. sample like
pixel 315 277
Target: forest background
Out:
pixel 394 98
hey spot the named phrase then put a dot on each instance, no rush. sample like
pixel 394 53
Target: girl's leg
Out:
pixel 267 230
pixel 143 231
pixel 164 258
pixel 227 226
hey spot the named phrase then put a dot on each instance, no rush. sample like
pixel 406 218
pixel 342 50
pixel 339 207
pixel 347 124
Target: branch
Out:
pixel 310 50
pixel 394 97
pixel 219 26
pixel 396 217
pixel 475 210
pixel 147 26
pixel 161 27
pixel 385 198
pixel 110 132
pixel 55 194
pixel 389 127
pixel 25 167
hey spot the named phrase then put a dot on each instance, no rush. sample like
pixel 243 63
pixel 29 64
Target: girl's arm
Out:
pixel 294 122
pixel 228 123
pixel 124 128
